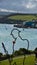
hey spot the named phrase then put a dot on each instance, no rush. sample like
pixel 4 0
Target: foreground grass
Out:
pixel 30 60
pixel 23 17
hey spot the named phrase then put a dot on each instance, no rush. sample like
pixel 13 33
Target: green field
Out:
pixel 30 60
pixel 23 17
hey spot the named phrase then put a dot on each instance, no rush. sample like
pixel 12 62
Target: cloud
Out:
pixel 6 10
pixel 30 5
pixel 10 11
pixel 1 0
pixel 20 5
pixel 35 0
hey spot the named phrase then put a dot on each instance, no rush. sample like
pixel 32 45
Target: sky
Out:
pixel 25 6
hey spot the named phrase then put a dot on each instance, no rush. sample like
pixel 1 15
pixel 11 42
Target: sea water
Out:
pixel 7 39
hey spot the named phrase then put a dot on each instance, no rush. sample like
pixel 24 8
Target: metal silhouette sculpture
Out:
pixel 15 38
pixel 9 58
pixel 21 39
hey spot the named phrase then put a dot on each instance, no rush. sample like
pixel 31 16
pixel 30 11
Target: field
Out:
pixel 30 60
pixel 23 17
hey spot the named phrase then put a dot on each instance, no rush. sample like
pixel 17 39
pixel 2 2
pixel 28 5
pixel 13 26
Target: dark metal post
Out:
pixel 13 46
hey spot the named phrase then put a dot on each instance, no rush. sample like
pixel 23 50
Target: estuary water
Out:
pixel 7 39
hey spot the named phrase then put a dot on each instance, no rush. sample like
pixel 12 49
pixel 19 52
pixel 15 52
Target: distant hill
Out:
pixel 7 13
pixel 4 13
pixel 15 18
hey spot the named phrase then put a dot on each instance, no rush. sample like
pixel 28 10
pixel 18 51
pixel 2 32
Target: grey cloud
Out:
pixel 20 5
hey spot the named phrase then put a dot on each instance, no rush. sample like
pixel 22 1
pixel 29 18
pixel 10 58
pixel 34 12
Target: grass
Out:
pixel 23 17
pixel 30 60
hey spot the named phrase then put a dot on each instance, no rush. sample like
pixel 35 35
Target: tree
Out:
pixel 35 49
pixel 1 54
pixel 35 52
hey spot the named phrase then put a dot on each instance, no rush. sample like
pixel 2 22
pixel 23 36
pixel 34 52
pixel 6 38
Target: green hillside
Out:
pixel 23 17
pixel 30 60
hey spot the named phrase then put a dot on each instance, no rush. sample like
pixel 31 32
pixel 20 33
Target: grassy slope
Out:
pixel 23 17
pixel 19 60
